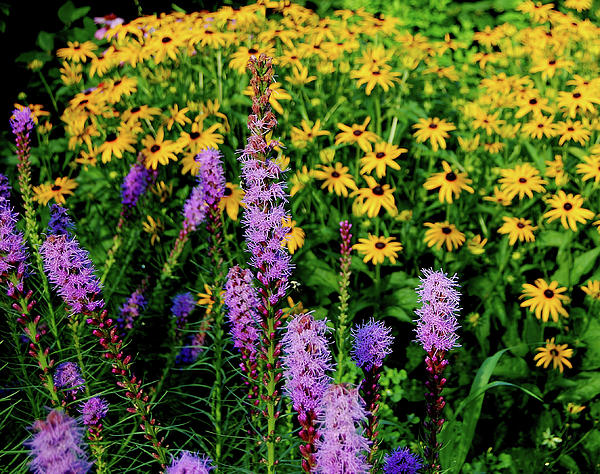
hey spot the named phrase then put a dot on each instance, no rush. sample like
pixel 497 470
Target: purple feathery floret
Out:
pixel 306 362
pixel 131 309
pixel 195 207
pixel 190 352
pixel 372 342
pixel 71 272
pixel 4 187
pixel 135 184
pixel 183 304
pixel 22 122
pixel 93 410
pixel 58 446
pixel 13 251
pixel 212 174
pixel 60 223
pixel 401 461
pixel 68 377
pixel 188 463
pixel 241 300
pixel 341 448
pixel 437 324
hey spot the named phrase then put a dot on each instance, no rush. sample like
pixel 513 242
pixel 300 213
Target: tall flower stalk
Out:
pixel 344 282
pixel 436 332
pixel 264 232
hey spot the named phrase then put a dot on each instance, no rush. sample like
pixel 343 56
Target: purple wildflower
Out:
pixel 13 251
pixel 401 461
pixel 68 378
pixel 372 342
pixel 212 174
pixel 93 410
pixel 341 449
pixel 4 187
pixel 57 446
pixel 437 325
pixel 131 309
pixel 188 463
pixel 306 361
pixel 22 122
pixel 60 223
pixel 71 272
pixel 241 300
pixel 135 184
pixel 190 352
pixel 195 208
pixel 183 304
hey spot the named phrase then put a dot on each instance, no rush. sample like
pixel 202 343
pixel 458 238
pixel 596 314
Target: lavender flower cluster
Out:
pixel 13 252
pixel 135 184
pixel 372 342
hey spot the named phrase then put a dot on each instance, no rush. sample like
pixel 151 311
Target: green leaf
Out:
pixel 591 337
pixel 65 12
pixel 45 41
pixel 552 238
pixel 586 386
pixel 583 264
pixel 399 313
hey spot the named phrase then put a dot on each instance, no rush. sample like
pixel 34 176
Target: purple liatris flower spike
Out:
pixel 68 377
pixel 188 463
pixel 213 175
pixel 183 304
pixel 341 449
pixel 21 121
pixel 241 300
pixel 195 208
pixel 13 251
pixel 372 342
pixel 135 184
pixel 60 223
pixel 437 324
pixel 58 446
pixel 306 363
pixel 401 461
pixel 93 410
pixel 131 308
pixel 4 187
pixel 71 272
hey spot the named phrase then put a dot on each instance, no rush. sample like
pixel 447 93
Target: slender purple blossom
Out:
pixel 188 463
pixel 341 449
pixel 60 223
pixel 131 309
pixel 22 121
pixel 13 251
pixel 401 461
pixel 437 324
pixel 195 208
pixel 4 187
pixel 372 342
pixel 67 377
pixel 58 446
pixel 212 174
pixel 183 304
pixel 135 184
pixel 93 410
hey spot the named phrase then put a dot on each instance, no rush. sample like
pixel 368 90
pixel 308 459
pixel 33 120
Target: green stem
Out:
pixel 48 90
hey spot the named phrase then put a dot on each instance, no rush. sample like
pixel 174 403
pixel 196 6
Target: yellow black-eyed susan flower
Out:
pixel 553 353
pixel 376 249
pixel 544 299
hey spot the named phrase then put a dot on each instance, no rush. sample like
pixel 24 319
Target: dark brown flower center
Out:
pixel 166 39
pixel 522 180
pixel 56 187
pixel 451 176
pixel 377 190
pixel 552 62
pixel 540 125
pixel 533 101
pixel 380 155
pixel 118 83
pixel 194 135
pixel 228 191
pixel 571 129
pixel 520 225
pixel 111 137
pixel 376 73
pixel 155 148
pixel 252 51
pixel 433 125
pixel 335 174
pixel 357 133
pixel 379 245
pixel 136 109
pixel 548 293
pixel 553 353
pixel 576 95
pixel 567 206
pixel 446 230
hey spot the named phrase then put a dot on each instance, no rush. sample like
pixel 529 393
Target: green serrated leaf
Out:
pixel 65 12
pixel 45 41
pixel 583 264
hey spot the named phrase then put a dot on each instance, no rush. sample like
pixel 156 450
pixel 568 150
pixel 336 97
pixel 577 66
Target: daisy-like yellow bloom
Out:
pixel 379 159
pixel 177 115
pixel 488 122
pixel 469 144
pixel 140 112
pixel 158 150
pixel 539 126
pixel 372 198
pixel 557 354
pixel 56 190
pixel 189 164
pixel 375 76
pixel 300 76
pixel 494 147
pixel 476 245
pixel 199 139
pixel 592 289
pixel 232 200
pixel 300 179
pixel 517 228
pixel 294 239
pixel 116 144
pixel 154 228
pixel 523 180
pixel 549 67
pixel 77 52
pixel 574 409
pixel 544 300
pixel 449 182
pixel 86 158
pixel 376 249
pixel 433 129
pixel 579 5
pixel 336 179
pixel 301 137
pixel 578 101
pixel 356 134
pixel 70 74
pixel 441 233
pixel 538 11
pixel 239 59
pixel 590 168
pixel 500 197
pixel 37 111
pixel 568 208
pixel 570 130
pixel 556 169
pixel 114 89
pixel 206 299
pixel 162 190
pixel 531 102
